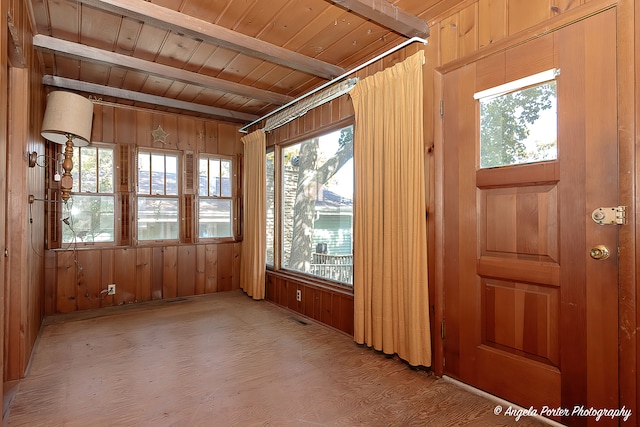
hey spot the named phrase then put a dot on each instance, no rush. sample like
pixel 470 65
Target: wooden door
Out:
pixel 529 315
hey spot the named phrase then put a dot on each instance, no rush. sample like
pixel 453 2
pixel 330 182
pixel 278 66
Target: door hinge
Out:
pixel 442 108
pixel 442 329
pixel 616 215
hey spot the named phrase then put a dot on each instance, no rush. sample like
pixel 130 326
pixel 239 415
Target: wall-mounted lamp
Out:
pixel 67 120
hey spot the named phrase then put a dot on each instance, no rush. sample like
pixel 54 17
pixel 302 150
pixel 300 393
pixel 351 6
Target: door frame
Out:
pixel 628 60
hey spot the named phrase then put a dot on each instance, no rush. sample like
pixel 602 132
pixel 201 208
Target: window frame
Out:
pixel 77 174
pixel 177 197
pixel 233 198
pixel 279 177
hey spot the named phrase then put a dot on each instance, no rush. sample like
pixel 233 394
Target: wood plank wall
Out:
pixel 24 268
pixel 327 305
pixel 145 272
pixel 141 274
pixel 4 108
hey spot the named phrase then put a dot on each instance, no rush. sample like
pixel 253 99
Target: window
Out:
pixel 317 198
pixel 88 215
pixel 215 211
pixel 519 126
pixel 158 200
pixel 271 208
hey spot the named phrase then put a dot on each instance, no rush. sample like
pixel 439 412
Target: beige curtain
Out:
pixel 390 257
pixel 252 264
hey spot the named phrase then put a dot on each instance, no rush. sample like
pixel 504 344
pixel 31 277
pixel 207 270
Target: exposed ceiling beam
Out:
pixel 78 85
pixel 95 55
pixel 388 15
pixel 198 29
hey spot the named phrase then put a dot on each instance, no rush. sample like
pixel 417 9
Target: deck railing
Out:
pixel 334 267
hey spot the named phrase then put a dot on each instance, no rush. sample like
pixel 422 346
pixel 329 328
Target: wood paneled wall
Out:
pixel 77 277
pixel 80 278
pixel 24 262
pixel 327 305
pixel 4 108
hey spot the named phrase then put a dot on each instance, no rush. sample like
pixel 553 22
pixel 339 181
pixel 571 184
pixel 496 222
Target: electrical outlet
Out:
pixel 299 295
pixel 111 289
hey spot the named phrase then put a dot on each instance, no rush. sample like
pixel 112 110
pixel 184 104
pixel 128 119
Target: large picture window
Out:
pixel 88 215
pixel 317 211
pixel 215 207
pixel 158 212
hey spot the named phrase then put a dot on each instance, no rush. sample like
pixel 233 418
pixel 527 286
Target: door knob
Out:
pixel 599 252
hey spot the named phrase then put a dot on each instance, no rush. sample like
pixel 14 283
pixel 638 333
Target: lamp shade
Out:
pixel 68 116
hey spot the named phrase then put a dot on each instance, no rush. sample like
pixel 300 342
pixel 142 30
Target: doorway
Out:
pixel 530 297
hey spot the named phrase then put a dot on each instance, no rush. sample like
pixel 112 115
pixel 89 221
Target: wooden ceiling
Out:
pixel 229 59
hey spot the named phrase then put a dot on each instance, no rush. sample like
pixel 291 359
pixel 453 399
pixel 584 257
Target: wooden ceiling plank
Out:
pixel 94 73
pixel 211 33
pixel 388 15
pixel 128 36
pixel 149 99
pixel 41 16
pixel 206 10
pixel 67 12
pixel 91 54
pixel 99 30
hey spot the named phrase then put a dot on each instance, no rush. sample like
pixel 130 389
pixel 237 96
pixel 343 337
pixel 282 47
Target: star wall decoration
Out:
pixel 159 135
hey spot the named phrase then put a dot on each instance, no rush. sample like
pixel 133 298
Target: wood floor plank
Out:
pixel 226 360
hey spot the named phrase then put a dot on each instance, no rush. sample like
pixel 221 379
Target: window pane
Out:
pixel 171 175
pixel 271 208
pixel 144 171
pixel 157 174
pixel 88 170
pixel 157 218
pixel 214 177
pixel 105 170
pixel 203 177
pixel 519 127
pixel 317 206
pixel 75 187
pixel 225 172
pixel 90 219
pixel 215 218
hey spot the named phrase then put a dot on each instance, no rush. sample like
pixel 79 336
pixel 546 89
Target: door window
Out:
pixel 519 125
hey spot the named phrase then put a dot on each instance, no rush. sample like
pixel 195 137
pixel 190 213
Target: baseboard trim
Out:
pixel 499 401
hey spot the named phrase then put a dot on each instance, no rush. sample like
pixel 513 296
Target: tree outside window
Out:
pixel 317 197
pixel 519 127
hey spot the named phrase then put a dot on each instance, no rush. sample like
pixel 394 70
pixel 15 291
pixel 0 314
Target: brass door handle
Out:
pixel 599 252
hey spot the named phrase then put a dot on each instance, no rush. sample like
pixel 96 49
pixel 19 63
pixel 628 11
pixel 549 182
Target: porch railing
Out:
pixel 334 267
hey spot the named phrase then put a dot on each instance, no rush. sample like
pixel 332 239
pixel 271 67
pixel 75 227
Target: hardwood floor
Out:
pixel 224 360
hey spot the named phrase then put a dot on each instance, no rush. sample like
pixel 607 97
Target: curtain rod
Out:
pixel 329 83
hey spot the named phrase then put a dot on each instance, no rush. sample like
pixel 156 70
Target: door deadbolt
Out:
pixel 599 252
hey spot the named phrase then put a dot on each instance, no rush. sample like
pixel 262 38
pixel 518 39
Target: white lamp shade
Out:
pixel 67 114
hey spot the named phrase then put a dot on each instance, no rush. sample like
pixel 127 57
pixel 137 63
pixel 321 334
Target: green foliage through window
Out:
pixel 519 127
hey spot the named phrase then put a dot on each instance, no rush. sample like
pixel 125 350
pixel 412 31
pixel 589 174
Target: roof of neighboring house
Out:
pixel 329 201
